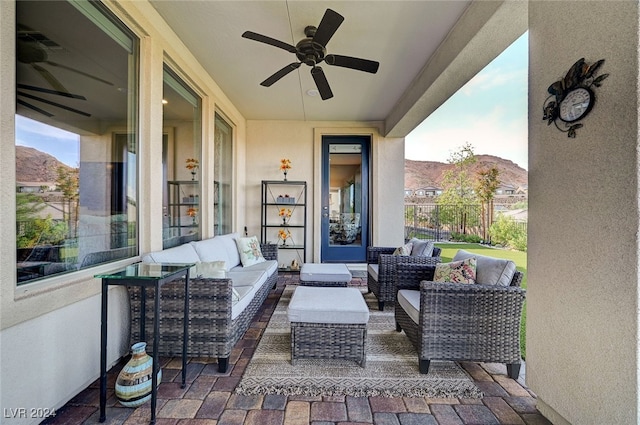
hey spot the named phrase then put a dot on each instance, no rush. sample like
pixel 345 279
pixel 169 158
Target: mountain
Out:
pixel 33 165
pixel 421 174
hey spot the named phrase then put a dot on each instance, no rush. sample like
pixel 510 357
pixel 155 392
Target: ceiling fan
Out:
pixel 312 51
pixel 30 51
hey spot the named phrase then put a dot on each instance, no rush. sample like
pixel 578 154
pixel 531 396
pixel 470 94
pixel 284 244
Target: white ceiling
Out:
pixel 401 35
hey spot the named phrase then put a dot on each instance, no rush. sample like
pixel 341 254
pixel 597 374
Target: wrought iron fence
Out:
pixel 439 222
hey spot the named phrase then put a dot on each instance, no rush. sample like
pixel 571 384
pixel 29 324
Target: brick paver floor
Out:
pixel 209 397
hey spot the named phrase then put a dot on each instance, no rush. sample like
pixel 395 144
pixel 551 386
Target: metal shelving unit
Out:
pixel 277 196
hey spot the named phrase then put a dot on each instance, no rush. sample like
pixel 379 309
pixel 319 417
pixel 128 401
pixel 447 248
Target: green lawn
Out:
pixel 518 257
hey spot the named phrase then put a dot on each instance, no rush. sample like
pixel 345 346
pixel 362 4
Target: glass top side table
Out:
pixel 152 276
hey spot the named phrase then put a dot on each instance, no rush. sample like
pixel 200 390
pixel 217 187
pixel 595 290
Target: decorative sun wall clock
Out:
pixel 572 97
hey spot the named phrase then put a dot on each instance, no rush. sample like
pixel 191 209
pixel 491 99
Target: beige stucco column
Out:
pixel 582 318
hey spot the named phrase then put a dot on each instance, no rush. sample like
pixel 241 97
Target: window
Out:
pixel 76 141
pixel 223 176
pixel 181 149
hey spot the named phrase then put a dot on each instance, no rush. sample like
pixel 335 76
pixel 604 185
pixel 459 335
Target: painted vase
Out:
pixel 133 386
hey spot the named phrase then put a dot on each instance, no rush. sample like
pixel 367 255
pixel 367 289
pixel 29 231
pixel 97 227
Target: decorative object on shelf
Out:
pixel 285 166
pixel 285 213
pixel 192 165
pixel 572 98
pixel 193 213
pixel 133 385
pixel 286 199
pixel 284 235
pixel 295 265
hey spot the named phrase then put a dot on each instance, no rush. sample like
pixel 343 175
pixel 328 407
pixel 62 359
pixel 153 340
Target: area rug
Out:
pixel 391 369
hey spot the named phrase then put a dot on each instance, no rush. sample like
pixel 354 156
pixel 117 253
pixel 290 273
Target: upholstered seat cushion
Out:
pixel 489 270
pixel 312 304
pixel 325 273
pixel 212 249
pixel 409 300
pixel 372 269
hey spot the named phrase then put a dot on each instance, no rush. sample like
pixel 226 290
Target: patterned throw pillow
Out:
pixel 249 250
pixel 403 250
pixel 463 271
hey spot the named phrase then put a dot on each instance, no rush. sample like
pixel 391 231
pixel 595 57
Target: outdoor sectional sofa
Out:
pixel 223 299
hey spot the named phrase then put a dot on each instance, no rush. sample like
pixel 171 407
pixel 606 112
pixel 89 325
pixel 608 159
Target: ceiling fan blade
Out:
pixel 279 74
pixel 35 108
pixel 43 90
pixel 49 102
pixel 53 81
pixel 268 40
pixel 321 82
pixel 328 26
pixel 77 71
pixel 353 63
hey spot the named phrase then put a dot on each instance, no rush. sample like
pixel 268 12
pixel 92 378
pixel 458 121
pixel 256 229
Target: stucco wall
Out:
pixel 269 141
pixel 582 329
pixel 50 331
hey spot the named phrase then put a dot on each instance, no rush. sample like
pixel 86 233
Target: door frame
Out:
pixel 315 210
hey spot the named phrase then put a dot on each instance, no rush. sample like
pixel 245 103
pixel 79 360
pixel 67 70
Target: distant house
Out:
pixel 506 189
pixel 428 191
pixel 35 187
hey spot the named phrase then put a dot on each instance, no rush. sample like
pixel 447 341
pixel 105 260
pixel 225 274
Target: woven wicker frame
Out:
pixel 464 322
pixel 329 341
pixel 212 332
pixel 384 288
pixel 323 284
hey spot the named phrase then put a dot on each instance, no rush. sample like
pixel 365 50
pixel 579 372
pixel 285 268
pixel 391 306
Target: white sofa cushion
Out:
pixel 409 300
pixel 179 254
pixel 489 270
pixel 212 249
pixel 247 278
pixel 269 266
pixel 229 242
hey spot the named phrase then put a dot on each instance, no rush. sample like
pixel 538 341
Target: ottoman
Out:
pixel 324 274
pixel 328 323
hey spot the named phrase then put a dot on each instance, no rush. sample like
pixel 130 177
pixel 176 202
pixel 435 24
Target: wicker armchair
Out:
pixel 381 270
pixel 470 322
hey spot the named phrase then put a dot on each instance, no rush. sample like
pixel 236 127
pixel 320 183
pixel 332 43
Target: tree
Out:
pixel 486 184
pixel 457 189
pixel 68 184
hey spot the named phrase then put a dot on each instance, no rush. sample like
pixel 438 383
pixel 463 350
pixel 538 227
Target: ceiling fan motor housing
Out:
pixel 308 51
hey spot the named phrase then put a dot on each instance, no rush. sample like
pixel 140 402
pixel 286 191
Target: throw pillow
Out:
pixel 211 269
pixel 403 250
pixel 463 271
pixel 249 250
pixel 490 270
pixel 421 248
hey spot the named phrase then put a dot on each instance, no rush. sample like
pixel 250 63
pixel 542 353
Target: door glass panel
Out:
pixel 345 194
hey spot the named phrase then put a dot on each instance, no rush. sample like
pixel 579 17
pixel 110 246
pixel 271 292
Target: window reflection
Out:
pixel 76 146
pixel 181 161
pixel 345 194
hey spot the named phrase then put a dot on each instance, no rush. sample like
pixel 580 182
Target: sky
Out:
pixel 489 112
pixel 64 145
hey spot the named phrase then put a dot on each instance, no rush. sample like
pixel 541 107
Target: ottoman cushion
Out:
pixel 327 305
pixel 325 272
